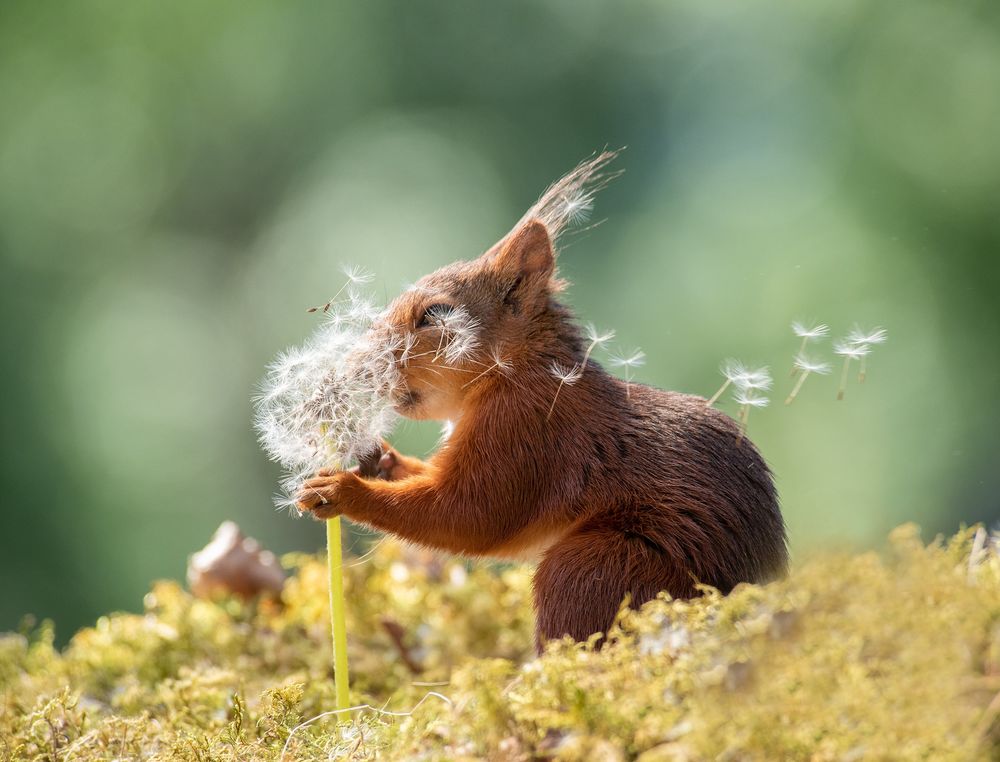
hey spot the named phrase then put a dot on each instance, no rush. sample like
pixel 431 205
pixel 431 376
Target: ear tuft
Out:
pixel 527 251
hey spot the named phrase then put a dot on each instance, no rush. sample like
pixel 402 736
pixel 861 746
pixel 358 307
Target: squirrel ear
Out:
pixel 526 252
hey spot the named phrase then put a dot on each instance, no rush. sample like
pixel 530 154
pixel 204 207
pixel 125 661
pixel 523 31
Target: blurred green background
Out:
pixel 179 181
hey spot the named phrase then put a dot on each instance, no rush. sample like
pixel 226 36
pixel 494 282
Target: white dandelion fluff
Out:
pixel 459 337
pixel 567 377
pixel 499 363
pixel 849 352
pixel 357 275
pixel 808 332
pixel 861 337
pixel 750 399
pixel 574 374
pixel 330 401
pixel 747 398
pixel 757 378
pixel 804 366
pixel 742 377
pixel 628 363
pixel 596 337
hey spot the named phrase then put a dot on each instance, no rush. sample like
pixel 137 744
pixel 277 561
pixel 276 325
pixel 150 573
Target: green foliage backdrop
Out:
pixel 179 181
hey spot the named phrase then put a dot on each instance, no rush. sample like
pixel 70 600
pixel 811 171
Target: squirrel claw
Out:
pixel 318 497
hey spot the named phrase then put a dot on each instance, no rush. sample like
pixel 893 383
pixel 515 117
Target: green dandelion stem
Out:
pixel 863 370
pixel 338 623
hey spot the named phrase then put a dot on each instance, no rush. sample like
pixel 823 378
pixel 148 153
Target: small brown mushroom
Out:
pixel 233 564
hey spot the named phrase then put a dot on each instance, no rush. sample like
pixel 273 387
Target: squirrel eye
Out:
pixel 434 314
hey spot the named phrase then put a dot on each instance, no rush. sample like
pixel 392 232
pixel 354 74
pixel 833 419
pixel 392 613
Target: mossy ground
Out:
pixel 853 657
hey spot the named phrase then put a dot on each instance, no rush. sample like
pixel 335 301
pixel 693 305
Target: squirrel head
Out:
pixel 468 319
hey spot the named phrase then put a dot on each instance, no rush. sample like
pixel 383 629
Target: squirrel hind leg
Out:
pixel 581 583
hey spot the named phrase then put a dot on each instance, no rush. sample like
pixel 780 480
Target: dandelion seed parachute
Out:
pixel 849 352
pixel 860 337
pixel 629 362
pixel 805 366
pixel 810 332
pixel 595 337
pixel 568 376
pixel 459 333
pixel 742 377
pixel 746 398
pixel 634 359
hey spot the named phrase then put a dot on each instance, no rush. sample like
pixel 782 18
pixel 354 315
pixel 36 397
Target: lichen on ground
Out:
pixel 853 657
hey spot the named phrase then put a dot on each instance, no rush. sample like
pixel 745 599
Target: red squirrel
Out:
pixel 620 490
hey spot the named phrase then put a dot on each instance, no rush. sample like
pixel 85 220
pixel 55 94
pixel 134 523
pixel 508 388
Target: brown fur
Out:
pixel 623 491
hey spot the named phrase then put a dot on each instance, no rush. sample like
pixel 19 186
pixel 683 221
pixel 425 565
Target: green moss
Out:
pixel 892 656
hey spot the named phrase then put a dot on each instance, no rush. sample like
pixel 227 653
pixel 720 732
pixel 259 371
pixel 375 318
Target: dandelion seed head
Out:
pixel 804 363
pixel 329 401
pixel 810 332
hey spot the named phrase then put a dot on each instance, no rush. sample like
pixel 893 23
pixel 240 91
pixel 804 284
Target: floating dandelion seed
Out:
pixel 743 377
pixel 747 398
pixel 574 374
pixel 596 338
pixel 805 366
pixel 628 363
pixel 862 338
pixel 357 275
pixel 568 376
pixel 848 352
pixel 807 333
pixel 577 208
pixel 499 363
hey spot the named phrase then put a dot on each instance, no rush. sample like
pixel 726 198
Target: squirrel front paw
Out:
pixel 384 463
pixel 322 495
